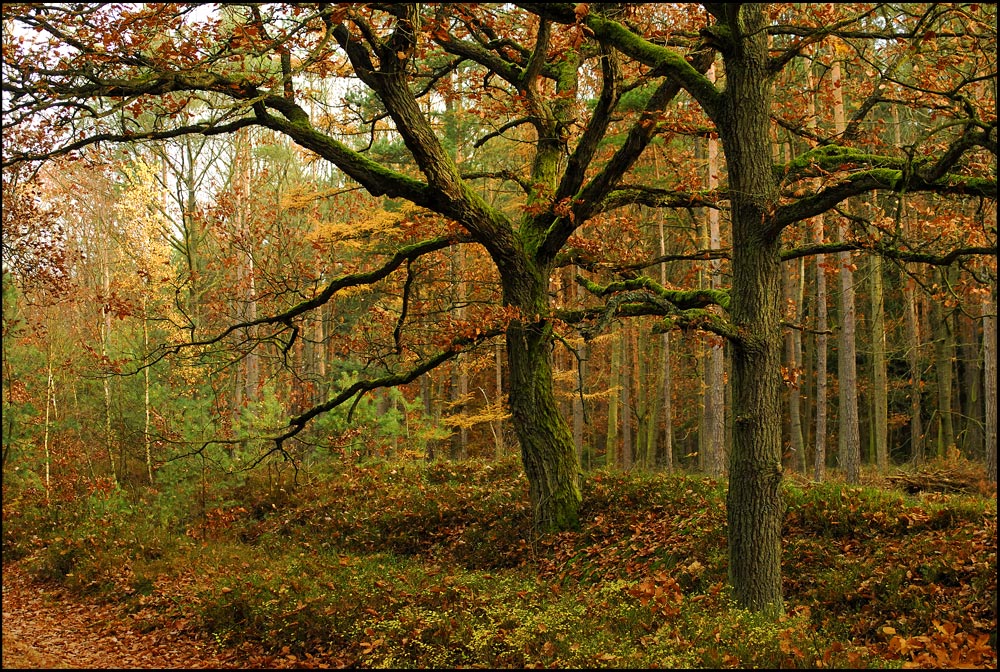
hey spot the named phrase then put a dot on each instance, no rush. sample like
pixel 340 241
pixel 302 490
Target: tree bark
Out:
pixel 498 428
pixel 715 411
pixel 626 396
pixel 990 382
pixel 820 319
pixel 547 449
pixel 614 377
pixel 793 350
pixel 819 451
pixel 913 360
pixel 49 404
pixel 944 351
pixel 880 386
pixel 849 434
pixel 755 508
pixel 665 450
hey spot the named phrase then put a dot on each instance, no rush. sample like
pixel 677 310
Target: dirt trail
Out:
pixel 46 627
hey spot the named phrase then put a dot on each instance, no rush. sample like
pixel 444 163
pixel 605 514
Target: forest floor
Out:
pixel 398 564
pixel 45 627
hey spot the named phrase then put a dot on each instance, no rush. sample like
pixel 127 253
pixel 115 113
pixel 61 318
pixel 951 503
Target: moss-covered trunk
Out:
pixel 547 449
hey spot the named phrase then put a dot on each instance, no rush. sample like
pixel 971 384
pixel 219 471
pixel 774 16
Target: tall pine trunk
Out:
pixel 849 434
pixel 880 385
pixel 819 450
pixel 611 443
pixel 820 320
pixel 626 397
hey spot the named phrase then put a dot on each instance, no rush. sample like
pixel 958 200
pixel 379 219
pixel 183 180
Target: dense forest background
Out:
pixel 116 256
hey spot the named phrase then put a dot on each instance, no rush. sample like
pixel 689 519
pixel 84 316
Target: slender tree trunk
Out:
pixel 147 439
pixel 819 437
pixel 626 396
pixel 49 403
pixel 944 350
pixel 105 352
pixel 427 389
pixel 614 378
pixel 819 451
pixel 640 350
pixel 971 396
pixel 665 453
pixel 913 360
pixel 793 349
pixel 459 443
pixel 990 382
pixel 715 411
pixel 849 434
pixel 651 386
pixel 498 428
pixel 800 419
pixel 459 391
pixel 880 386
pixel 579 412
pixel 242 172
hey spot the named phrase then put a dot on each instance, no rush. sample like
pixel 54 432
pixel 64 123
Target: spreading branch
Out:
pixel 361 387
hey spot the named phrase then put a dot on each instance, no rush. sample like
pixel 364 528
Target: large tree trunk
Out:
pixel 755 507
pixel 547 449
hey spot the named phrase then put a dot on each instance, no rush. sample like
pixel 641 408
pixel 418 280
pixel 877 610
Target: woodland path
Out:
pixel 44 626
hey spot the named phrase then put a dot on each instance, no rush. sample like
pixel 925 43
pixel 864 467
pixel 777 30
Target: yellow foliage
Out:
pixel 374 220
pixel 141 224
pixel 468 420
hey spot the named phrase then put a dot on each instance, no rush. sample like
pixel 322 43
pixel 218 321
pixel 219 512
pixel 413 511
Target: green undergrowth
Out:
pixel 406 564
